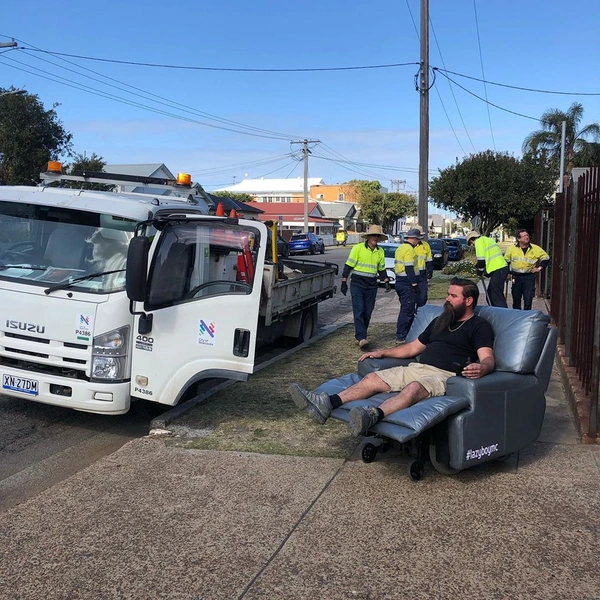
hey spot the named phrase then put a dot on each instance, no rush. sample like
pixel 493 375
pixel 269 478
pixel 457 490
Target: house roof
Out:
pixel 143 170
pixel 271 186
pixel 291 212
pixel 338 210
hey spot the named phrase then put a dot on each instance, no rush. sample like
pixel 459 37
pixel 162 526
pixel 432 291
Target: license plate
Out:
pixel 20 384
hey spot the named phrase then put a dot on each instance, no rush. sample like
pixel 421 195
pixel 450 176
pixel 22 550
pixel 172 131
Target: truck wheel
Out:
pixel 307 326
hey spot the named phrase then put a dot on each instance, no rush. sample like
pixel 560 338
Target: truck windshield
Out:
pixel 49 245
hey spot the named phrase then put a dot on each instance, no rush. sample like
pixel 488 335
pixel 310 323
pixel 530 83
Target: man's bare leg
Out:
pixel 368 386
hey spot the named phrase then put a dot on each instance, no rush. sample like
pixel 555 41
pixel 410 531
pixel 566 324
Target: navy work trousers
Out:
pixel 423 289
pixel 363 303
pixel 495 288
pixel 408 304
pixel 523 287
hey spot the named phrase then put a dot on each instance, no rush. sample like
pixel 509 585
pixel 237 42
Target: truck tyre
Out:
pixel 307 326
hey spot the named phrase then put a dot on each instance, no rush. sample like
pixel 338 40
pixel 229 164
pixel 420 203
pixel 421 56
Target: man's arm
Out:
pixel 409 350
pixel 486 364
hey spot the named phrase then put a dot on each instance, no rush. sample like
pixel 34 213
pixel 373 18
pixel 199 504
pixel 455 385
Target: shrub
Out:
pixel 462 268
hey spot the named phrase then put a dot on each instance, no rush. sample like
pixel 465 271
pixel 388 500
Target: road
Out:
pixel 41 445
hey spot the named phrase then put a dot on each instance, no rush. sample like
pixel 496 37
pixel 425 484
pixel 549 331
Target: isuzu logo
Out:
pixel 25 326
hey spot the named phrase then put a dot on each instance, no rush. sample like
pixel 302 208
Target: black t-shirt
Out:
pixel 461 345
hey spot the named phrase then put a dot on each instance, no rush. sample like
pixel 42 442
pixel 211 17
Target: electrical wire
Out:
pixel 512 112
pixel 483 73
pixel 245 165
pixel 516 87
pixel 95 92
pixel 222 69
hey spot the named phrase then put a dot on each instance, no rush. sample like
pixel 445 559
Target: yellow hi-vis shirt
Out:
pixel 522 260
pixel 424 258
pixel 487 250
pixel 364 261
pixel 405 263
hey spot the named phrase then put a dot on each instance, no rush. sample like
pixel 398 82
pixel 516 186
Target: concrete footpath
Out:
pixel 155 521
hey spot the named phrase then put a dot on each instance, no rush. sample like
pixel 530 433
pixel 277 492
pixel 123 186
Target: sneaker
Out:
pixel 400 342
pixel 363 343
pixel 357 342
pixel 318 406
pixel 362 419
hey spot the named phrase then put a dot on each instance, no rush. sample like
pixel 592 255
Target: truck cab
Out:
pixel 88 327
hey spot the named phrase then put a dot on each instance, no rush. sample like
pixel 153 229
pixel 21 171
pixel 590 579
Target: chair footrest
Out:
pixel 403 425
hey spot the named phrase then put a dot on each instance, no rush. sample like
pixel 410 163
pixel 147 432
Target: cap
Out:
pixel 415 232
pixel 472 235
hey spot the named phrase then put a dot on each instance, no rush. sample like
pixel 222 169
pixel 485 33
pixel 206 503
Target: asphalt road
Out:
pixel 41 445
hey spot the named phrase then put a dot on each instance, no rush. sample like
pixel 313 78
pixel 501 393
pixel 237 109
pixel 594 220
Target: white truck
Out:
pixel 109 297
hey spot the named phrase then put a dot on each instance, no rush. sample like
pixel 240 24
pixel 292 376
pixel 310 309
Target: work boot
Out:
pixel 363 343
pixel 318 406
pixel 362 418
pixel 400 342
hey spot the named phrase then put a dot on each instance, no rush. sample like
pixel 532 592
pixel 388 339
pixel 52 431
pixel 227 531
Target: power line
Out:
pixel 221 69
pixel 516 87
pixel 482 71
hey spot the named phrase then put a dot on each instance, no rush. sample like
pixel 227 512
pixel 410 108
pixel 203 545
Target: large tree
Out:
pixel 30 136
pixel 91 164
pixel 386 208
pixel 240 197
pixel 498 188
pixel 549 138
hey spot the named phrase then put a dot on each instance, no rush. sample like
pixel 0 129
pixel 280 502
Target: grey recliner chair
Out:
pixel 478 419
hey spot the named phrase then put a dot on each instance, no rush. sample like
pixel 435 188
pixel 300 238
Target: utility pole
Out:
pixel 396 183
pixel 422 208
pixel 306 152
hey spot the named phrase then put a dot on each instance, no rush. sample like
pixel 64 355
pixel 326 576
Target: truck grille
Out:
pixel 44 355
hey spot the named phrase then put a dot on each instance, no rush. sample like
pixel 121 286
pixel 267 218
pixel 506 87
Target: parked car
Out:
pixel 463 242
pixel 389 249
pixel 439 253
pixel 306 242
pixel 283 248
pixel 455 250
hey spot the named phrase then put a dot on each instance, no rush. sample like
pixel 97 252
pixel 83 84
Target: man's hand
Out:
pixel 430 275
pixel 474 371
pixel 344 288
pixel 377 354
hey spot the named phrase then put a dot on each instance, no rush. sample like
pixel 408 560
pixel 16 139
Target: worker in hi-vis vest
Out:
pixel 407 282
pixel 525 260
pixel 367 264
pixel 490 263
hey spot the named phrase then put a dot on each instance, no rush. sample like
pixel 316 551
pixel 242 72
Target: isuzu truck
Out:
pixel 109 297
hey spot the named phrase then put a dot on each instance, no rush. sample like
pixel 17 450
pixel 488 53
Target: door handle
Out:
pixel 241 342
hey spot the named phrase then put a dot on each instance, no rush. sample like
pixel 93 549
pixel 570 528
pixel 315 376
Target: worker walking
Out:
pixel 366 261
pixel 525 260
pixel 407 282
pixel 490 263
pixel 424 267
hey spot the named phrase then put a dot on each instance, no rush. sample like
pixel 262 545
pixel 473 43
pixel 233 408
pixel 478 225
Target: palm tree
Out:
pixel 549 137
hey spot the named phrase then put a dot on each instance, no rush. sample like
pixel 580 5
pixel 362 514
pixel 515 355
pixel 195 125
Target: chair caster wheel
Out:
pixel 416 470
pixel 369 452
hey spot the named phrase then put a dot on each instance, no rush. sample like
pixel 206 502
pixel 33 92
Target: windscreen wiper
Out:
pixel 28 267
pixel 72 282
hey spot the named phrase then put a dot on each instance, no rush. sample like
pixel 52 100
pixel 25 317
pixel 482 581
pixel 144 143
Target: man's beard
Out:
pixel 449 316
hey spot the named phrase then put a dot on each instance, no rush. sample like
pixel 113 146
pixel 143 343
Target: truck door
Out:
pixel 204 291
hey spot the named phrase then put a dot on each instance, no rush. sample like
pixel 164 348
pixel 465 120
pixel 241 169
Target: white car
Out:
pixel 389 250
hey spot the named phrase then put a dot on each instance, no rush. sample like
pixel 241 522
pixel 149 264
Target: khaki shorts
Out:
pixel 431 378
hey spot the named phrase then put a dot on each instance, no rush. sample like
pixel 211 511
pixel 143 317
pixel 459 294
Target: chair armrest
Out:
pixel 488 386
pixel 364 367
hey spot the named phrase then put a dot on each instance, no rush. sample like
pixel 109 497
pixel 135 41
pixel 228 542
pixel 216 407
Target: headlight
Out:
pixel 437 256
pixel 110 357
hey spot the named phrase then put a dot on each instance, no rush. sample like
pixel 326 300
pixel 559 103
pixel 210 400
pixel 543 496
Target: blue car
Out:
pixel 306 242
pixel 455 249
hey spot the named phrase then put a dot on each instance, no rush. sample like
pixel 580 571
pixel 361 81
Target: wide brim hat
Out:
pixel 415 232
pixel 375 230
pixel 472 235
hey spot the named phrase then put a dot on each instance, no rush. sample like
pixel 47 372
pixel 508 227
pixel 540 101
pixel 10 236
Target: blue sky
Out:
pixel 368 116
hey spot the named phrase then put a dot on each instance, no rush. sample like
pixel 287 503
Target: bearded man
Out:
pixel 458 342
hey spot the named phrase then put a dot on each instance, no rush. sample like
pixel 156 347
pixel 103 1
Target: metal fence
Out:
pixel 574 285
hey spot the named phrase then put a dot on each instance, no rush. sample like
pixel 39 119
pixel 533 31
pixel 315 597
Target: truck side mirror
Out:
pixel 136 283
